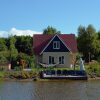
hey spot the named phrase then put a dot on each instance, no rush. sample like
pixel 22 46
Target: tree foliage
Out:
pixel 51 30
pixel 88 42
pixel 4 54
pixel 13 50
pixel 13 53
pixel 17 48
pixel 24 44
pixel 3 46
pixel 25 60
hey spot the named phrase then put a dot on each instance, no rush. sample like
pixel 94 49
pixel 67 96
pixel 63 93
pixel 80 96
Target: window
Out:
pixel 56 45
pixel 61 60
pixel 51 60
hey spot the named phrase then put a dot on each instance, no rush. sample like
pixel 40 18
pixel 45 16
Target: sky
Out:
pixel 28 17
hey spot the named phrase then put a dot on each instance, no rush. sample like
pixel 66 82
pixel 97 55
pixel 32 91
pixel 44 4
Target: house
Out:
pixel 5 66
pixel 59 49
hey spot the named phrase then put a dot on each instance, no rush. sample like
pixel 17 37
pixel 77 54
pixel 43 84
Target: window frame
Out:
pixel 51 60
pixel 56 44
pixel 61 60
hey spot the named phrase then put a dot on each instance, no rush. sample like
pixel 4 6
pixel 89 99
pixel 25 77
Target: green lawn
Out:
pixel 2 74
pixel 53 68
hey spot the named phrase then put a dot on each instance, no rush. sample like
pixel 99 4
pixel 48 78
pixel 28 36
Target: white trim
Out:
pixel 48 44
pixel 64 44
pixel 51 41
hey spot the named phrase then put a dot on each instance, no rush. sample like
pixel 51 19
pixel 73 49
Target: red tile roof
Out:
pixel 40 41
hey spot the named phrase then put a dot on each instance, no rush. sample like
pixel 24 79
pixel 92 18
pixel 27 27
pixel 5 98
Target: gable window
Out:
pixel 51 60
pixel 56 45
pixel 61 60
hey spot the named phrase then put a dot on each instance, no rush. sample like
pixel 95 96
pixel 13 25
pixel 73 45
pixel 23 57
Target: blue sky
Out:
pixel 35 15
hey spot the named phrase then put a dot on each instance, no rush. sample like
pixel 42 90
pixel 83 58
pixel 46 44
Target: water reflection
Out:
pixel 67 90
pixel 61 90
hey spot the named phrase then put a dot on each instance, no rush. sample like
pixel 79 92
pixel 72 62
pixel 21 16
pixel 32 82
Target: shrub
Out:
pixel 94 69
pixel 17 68
pixel 2 74
pixel 98 59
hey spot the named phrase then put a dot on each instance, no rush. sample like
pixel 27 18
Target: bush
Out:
pixel 98 59
pixel 94 70
pixel 2 74
pixel 20 74
pixel 25 60
pixel 17 68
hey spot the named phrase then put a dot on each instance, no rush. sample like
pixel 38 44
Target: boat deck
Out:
pixel 70 74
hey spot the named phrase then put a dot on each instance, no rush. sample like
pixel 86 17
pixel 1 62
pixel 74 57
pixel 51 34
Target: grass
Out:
pixel 53 68
pixel 21 74
pixel 2 74
pixel 93 70
pixel 18 74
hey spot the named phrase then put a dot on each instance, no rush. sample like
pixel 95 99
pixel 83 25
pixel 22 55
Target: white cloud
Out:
pixel 17 32
pixel 3 34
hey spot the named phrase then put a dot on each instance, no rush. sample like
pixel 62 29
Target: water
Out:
pixel 68 90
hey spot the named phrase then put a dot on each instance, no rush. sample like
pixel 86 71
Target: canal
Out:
pixel 60 90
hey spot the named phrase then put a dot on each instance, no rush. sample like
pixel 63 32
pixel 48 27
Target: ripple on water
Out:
pixel 67 90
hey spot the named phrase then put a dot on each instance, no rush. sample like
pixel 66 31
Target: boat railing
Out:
pixel 64 72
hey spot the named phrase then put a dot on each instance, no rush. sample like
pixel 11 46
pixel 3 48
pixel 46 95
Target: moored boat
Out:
pixel 63 74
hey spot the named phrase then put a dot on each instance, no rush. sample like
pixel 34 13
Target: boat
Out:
pixel 63 74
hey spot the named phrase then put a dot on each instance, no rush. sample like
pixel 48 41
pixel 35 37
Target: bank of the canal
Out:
pixel 32 75
pixel 92 70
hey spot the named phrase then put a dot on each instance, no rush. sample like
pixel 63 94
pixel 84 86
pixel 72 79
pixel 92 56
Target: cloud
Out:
pixel 17 32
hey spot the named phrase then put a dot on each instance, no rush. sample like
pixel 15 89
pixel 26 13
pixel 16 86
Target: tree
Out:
pixel 25 60
pixel 87 42
pixel 51 30
pixel 4 54
pixel 13 51
pixel 3 59
pixel 24 44
pixel 98 34
pixel 3 46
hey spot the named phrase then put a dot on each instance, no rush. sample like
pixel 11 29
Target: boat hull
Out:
pixel 44 75
pixel 65 77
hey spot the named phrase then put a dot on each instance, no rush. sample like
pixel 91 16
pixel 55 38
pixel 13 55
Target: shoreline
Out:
pixel 15 79
pixel 33 76
pixel 38 79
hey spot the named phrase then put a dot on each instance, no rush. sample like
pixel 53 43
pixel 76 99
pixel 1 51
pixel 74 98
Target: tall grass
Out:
pixel 2 74
pixel 93 70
